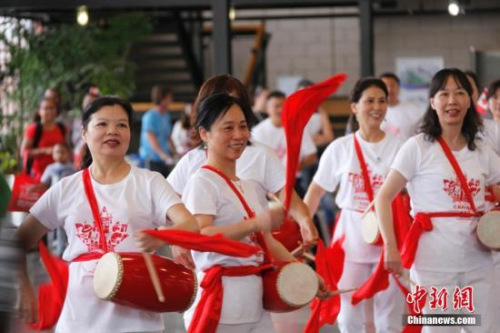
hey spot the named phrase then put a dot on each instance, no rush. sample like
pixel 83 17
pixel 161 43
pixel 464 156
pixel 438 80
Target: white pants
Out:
pixel 496 290
pixel 388 305
pixel 480 279
pixel 265 325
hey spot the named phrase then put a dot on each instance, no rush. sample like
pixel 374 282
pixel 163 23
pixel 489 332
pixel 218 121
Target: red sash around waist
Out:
pixel 207 314
pixel 422 222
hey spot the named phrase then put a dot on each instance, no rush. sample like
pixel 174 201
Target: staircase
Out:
pixel 167 57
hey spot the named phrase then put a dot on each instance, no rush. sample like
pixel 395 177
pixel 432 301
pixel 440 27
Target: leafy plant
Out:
pixel 69 57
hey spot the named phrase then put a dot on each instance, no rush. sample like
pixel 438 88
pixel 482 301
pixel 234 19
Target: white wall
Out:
pixel 318 48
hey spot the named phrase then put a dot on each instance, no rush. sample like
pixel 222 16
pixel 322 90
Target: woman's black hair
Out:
pixel 94 107
pixel 365 83
pixel 216 106
pixel 355 95
pixel 492 88
pixel 472 124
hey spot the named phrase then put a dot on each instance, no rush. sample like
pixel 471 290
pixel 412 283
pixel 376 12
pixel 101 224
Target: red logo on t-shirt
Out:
pixel 115 232
pixel 358 183
pixel 454 190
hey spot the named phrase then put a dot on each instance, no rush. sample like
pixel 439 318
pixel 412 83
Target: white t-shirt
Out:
pixel 492 134
pixel 180 138
pixel 242 302
pixel 313 127
pixel 258 163
pixel 403 120
pixel 339 166
pixel 265 132
pixel 452 245
pixel 141 200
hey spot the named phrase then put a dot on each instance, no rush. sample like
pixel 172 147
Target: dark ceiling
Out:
pixel 58 11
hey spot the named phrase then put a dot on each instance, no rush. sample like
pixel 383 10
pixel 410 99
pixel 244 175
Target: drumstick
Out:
pixel 298 251
pixel 274 197
pixel 154 277
pixel 309 256
pixel 368 208
pixel 342 291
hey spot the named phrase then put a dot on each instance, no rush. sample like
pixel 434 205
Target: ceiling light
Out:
pixel 232 13
pixel 453 8
pixel 82 15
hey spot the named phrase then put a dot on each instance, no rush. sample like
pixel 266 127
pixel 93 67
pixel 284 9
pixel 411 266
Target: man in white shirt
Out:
pixel 403 118
pixel 271 133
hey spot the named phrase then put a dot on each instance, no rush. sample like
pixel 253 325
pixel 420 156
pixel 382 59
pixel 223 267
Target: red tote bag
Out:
pixel 23 193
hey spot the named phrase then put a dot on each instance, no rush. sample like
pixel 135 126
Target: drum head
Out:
pixel 488 230
pixel 297 284
pixel 369 228
pixel 108 276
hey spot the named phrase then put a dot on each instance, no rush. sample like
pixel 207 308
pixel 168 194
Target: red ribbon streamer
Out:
pixel 297 110
pixel 203 243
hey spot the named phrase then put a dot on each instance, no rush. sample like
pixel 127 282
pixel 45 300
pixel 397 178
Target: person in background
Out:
pixel 63 115
pixel 62 167
pixel 182 133
pixel 403 118
pixel 259 103
pixel 40 138
pixel 448 254
pixel 492 126
pixel 128 199
pixel 491 135
pixel 271 133
pixel 319 126
pixel 79 147
pixel 156 148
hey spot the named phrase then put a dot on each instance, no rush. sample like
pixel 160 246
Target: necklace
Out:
pixel 238 185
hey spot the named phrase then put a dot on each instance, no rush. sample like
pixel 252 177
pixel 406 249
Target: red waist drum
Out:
pixel 123 278
pixel 288 234
pixel 488 229
pixel 288 286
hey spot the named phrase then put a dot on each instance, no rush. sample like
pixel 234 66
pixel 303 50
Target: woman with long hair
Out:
pixel 446 170
pixel 357 165
pixel 40 138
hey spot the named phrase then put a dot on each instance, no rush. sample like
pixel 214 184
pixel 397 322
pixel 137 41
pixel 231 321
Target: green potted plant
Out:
pixel 69 57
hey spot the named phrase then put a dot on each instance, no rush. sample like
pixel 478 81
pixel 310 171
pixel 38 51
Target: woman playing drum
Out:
pixel 128 199
pixel 217 198
pixel 446 170
pixel 346 163
pixel 258 163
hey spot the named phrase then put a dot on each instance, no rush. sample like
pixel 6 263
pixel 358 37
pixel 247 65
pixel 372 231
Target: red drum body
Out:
pixel 124 279
pixel 289 286
pixel 488 229
pixel 289 235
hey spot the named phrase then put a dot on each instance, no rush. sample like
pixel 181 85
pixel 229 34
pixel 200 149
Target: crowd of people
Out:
pixel 215 171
